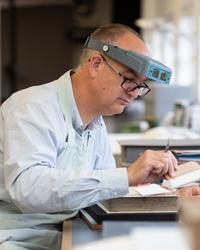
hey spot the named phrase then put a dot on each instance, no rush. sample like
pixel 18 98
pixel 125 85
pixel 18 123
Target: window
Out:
pixel 174 39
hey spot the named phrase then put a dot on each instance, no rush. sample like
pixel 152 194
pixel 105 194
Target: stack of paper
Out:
pixel 187 155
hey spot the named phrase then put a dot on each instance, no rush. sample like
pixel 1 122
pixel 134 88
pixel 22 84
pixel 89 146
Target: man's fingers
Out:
pixel 170 164
pixel 171 168
pixel 151 166
pixel 190 191
pixel 174 160
pixel 165 164
pixel 173 164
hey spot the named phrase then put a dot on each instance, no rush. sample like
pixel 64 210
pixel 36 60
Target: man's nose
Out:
pixel 134 93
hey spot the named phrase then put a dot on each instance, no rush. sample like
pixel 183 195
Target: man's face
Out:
pixel 113 96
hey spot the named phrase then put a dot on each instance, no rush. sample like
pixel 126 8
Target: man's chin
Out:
pixel 114 112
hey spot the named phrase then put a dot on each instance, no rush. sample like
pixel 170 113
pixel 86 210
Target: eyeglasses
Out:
pixel 129 85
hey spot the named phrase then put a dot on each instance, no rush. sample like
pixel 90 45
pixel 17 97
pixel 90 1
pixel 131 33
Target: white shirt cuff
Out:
pixel 114 183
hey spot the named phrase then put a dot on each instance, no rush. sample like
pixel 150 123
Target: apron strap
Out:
pixel 67 235
pixel 64 99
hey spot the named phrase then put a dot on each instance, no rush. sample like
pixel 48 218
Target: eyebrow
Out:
pixel 133 73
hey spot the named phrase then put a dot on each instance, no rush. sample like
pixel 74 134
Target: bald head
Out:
pixel 119 35
pixel 132 42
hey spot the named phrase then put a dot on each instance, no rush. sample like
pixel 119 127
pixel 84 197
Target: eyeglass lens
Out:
pixel 130 86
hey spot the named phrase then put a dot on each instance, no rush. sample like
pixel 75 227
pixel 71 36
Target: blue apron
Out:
pixel 34 231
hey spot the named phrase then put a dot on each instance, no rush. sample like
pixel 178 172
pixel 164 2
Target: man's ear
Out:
pixel 95 65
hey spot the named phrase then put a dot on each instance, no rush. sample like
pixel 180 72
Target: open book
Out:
pixel 186 173
pixel 160 207
pixel 149 202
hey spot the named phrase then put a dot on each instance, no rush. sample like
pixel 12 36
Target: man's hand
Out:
pixel 151 166
pixel 190 191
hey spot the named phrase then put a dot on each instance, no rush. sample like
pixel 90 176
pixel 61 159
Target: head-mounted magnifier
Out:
pixel 143 65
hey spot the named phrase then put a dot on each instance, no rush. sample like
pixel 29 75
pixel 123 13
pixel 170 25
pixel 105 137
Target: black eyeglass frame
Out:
pixel 140 86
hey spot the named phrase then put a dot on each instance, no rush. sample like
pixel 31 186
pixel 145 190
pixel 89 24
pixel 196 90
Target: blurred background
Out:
pixel 41 39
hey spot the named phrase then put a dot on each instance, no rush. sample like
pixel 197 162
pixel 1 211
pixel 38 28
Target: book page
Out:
pixel 148 189
pixel 187 173
pixel 185 168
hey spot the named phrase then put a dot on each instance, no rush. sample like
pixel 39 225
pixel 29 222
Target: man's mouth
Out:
pixel 124 101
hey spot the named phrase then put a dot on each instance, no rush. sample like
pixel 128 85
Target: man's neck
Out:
pixel 83 99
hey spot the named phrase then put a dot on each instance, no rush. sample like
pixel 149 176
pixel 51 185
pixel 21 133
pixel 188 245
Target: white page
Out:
pixel 147 189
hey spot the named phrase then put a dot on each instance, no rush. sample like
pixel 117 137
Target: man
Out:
pixel 55 156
